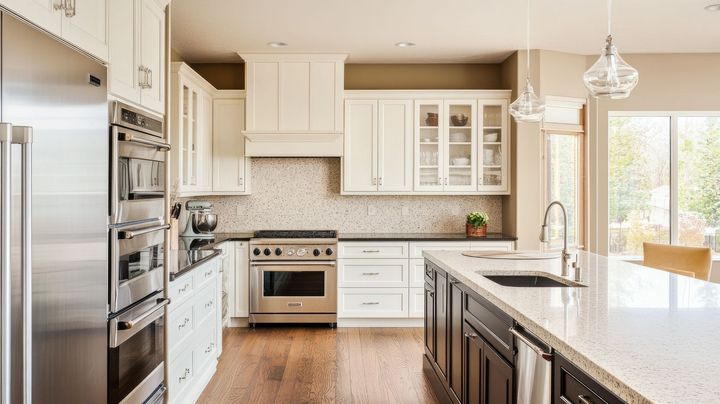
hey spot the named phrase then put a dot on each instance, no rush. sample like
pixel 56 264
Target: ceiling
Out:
pixel 482 31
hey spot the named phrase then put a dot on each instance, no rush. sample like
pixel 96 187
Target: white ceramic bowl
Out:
pixel 490 137
pixel 460 161
pixel 458 137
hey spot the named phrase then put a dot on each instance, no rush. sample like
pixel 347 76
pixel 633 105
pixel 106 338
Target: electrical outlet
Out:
pixel 405 211
pixel 372 211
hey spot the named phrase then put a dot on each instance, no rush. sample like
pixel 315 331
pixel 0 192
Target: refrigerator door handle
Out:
pixel 5 272
pixel 23 135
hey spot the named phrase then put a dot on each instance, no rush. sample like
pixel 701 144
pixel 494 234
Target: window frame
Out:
pixel 674 148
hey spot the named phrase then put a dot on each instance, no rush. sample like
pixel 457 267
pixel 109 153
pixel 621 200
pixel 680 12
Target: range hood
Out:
pixel 294 104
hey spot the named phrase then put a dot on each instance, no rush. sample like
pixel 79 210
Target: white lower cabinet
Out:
pixel 385 280
pixel 236 275
pixel 193 330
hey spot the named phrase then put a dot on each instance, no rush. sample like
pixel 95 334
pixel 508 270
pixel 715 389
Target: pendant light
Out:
pixel 527 107
pixel 610 77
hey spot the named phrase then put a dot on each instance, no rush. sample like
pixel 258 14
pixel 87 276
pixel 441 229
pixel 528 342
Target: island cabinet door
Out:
pixel 497 379
pixel 430 320
pixel 455 342
pixel 441 322
pixel 473 347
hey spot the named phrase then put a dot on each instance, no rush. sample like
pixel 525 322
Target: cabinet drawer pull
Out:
pixel 471 336
pixel 584 399
pixel 187 320
pixel 432 294
pixel 371 251
pixel 209 304
pixel 371 273
pixel 208 273
pixel 370 303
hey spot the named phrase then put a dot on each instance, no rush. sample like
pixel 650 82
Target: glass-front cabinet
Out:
pixel 429 124
pixel 493 145
pixel 459 143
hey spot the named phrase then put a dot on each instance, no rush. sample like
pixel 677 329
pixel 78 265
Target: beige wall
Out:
pixel 304 193
pixel 223 76
pixel 422 76
pixel 668 82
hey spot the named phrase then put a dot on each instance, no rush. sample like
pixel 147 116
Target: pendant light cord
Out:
pixel 527 41
pixel 609 11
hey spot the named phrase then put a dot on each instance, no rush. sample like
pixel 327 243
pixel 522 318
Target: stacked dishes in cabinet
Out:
pixel 460 141
pixel 430 170
pixel 491 140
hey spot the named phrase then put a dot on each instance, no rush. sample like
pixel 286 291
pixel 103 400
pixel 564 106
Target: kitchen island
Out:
pixel 644 335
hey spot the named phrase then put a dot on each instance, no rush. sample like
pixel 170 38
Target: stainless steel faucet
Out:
pixel 545 235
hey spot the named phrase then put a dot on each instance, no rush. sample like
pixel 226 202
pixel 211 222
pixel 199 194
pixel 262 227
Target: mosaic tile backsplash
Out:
pixel 304 193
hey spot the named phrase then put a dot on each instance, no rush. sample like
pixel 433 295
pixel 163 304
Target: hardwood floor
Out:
pixel 320 365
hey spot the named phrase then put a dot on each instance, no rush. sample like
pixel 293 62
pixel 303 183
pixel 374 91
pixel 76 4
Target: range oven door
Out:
pixel 137 178
pixel 136 352
pixel 137 263
pixel 293 287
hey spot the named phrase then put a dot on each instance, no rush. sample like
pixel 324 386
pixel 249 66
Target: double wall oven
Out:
pixel 136 324
pixel 293 277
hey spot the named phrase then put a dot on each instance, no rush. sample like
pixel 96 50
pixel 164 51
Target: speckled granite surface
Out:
pixel 645 334
pixel 422 237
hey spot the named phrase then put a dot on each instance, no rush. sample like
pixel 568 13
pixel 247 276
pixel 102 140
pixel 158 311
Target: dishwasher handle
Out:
pixel 541 352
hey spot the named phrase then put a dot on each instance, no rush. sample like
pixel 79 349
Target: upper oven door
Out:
pixel 137 178
pixel 137 263
pixel 293 287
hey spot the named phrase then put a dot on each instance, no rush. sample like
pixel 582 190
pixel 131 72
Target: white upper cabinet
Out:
pixel 294 104
pixel 378 146
pixel 426 142
pixel 137 52
pixel 230 166
pixel 83 23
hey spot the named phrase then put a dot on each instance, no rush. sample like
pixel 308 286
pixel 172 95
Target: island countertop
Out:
pixel 646 335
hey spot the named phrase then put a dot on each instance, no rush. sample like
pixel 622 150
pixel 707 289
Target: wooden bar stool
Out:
pixel 689 261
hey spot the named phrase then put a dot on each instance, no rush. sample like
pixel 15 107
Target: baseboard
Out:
pixel 437 385
pixel 238 322
pixel 381 322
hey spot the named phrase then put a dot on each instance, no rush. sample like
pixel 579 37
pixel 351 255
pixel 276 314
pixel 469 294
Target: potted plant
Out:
pixel 476 224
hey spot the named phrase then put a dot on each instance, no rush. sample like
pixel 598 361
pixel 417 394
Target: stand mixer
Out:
pixel 200 220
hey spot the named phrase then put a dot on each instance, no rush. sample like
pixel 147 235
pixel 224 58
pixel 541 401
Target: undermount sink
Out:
pixel 512 255
pixel 532 281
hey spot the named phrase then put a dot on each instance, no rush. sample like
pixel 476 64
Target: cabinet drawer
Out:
pixel 392 273
pixel 572 385
pixel 181 325
pixel 205 347
pixel 180 290
pixel 205 303
pixel 491 322
pixel 181 373
pixel 417 248
pixel 373 249
pixel 205 273
pixel 417 302
pixel 492 245
pixel 372 303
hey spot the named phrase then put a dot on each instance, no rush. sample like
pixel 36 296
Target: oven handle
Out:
pixel 293 263
pixel 133 326
pixel 129 137
pixel 130 234
pixel 126 325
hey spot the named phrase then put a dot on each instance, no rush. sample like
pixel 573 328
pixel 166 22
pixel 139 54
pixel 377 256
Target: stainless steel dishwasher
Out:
pixel 534 369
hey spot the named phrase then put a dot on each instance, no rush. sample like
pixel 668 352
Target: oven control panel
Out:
pixel 261 251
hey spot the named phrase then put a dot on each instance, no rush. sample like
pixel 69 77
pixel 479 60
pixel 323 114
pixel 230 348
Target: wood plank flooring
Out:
pixel 320 365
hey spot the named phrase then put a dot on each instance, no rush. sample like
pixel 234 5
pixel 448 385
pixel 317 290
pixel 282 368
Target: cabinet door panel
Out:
pixel 441 322
pixel 472 365
pixel 228 145
pixel 455 342
pixel 263 84
pixel 152 54
pixel 122 45
pixel 430 320
pixel 359 157
pixel 459 144
pixel 241 280
pixel 395 146
pixel 87 29
pixel 497 378
pixel 295 96
pixel 322 96
pixel 428 124
pixel 40 12
pixel 205 140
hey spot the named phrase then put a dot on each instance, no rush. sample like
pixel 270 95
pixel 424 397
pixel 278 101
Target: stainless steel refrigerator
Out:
pixel 54 215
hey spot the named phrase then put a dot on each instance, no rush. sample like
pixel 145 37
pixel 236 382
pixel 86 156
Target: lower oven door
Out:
pixel 137 177
pixel 137 263
pixel 293 287
pixel 136 352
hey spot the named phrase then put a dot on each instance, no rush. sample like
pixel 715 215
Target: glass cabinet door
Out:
pixel 493 146
pixel 459 145
pixel 429 119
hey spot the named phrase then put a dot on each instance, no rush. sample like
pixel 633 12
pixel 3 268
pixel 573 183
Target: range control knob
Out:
pixel 316 252
pixel 267 251
pixel 256 251
pixel 301 252
pixel 329 251
pixel 278 251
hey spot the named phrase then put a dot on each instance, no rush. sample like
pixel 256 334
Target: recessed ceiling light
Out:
pixel 404 44
pixel 712 7
pixel 277 44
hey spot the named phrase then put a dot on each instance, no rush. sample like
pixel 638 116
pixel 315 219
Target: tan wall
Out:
pixel 223 76
pixel 422 76
pixel 668 82
pixel 175 56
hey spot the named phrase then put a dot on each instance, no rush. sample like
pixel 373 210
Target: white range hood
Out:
pixel 294 104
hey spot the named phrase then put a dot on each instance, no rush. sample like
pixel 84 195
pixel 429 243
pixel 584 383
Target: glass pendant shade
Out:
pixel 610 77
pixel 528 107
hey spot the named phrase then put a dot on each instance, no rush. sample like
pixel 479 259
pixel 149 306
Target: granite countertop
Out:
pixel 184 261
pixel 645 334
pixel 422 237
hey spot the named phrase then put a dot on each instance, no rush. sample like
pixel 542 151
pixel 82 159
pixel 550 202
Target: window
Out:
pixel 664 171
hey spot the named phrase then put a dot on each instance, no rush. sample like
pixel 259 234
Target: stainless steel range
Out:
pixel 293 277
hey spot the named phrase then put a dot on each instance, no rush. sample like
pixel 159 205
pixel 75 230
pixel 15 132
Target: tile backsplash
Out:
pixel 304 193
